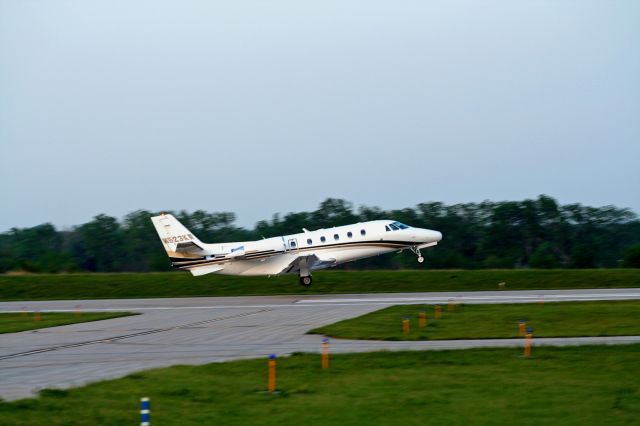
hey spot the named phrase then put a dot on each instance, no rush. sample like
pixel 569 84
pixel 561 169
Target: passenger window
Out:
pixel 323 239
pixel 387 228
pixel 363 232
pixel 309 242
pixel 336 237
pixel 293 244
pixel 349 234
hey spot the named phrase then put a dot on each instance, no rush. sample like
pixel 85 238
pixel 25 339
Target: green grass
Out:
pixel 594 385
pixel 607 318
pixel 182 284
pixel 12 322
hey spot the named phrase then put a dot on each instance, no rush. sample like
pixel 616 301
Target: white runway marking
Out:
pixel 401 300
pixel 469 297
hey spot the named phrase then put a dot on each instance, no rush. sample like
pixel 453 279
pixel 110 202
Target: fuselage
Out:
pixel 331 246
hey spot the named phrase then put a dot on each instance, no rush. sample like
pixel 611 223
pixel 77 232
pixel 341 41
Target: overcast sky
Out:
pixel 258 107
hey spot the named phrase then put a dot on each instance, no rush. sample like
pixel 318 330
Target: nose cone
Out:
pixel 434 236
pixel 425 236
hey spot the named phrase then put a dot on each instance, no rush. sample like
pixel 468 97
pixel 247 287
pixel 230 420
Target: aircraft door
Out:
pixel 292 244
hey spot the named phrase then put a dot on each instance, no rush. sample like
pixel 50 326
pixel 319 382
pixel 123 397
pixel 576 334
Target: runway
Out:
pixel 202 330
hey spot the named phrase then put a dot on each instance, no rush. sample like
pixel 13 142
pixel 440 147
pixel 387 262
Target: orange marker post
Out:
pixel 450 306
pixel 78 310
pixel 422 322
pixel 37 316
pixel 438 311
pixel 406 326
pixel 527 342
pixel 521 327
pixel 272 373
pixel 325 353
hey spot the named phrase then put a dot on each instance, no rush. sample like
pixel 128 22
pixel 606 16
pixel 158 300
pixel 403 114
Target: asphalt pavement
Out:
pixel 216 329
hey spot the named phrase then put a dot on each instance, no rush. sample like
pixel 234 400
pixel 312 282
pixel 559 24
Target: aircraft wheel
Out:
pixel 420 259
pixel 306 281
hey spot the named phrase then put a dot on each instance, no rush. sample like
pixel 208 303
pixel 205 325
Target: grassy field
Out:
pixel 610 318
pixel 181 284
pixel 12 323
pixel 564 386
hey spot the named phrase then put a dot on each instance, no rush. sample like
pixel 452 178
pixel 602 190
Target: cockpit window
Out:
pixel 396 226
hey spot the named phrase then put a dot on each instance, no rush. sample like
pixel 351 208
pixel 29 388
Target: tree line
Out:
pixel 534 233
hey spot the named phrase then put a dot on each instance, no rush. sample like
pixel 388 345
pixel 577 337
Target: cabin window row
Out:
pixel 336 237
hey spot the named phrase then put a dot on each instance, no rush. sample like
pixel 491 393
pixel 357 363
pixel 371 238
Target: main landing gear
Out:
pixel 304 273
pixel 416 251
pixel 306 281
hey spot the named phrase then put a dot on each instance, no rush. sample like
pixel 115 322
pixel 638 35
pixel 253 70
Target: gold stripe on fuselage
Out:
pixel 270 253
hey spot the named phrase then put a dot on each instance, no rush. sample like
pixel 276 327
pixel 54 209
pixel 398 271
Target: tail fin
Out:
pixel 177 240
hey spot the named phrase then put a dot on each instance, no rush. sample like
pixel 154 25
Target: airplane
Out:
pixel 290 254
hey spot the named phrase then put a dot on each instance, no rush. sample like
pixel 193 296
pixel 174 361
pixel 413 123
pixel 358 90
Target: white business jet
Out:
pixel 289 254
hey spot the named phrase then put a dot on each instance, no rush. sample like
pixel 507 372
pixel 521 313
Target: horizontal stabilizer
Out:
pixel 190 248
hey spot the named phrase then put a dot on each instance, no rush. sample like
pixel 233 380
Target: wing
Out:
pixel 307 263
pixel 206 269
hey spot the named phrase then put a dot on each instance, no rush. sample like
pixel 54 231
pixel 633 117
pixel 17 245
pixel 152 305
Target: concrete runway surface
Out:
pixel 216 329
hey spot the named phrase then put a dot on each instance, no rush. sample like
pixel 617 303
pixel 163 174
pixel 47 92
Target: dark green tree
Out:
pixel 99 245
pixel 536 233
pixel 632 257
pixel 543 257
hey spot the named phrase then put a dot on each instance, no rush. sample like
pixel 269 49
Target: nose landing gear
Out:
pixel 416 251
